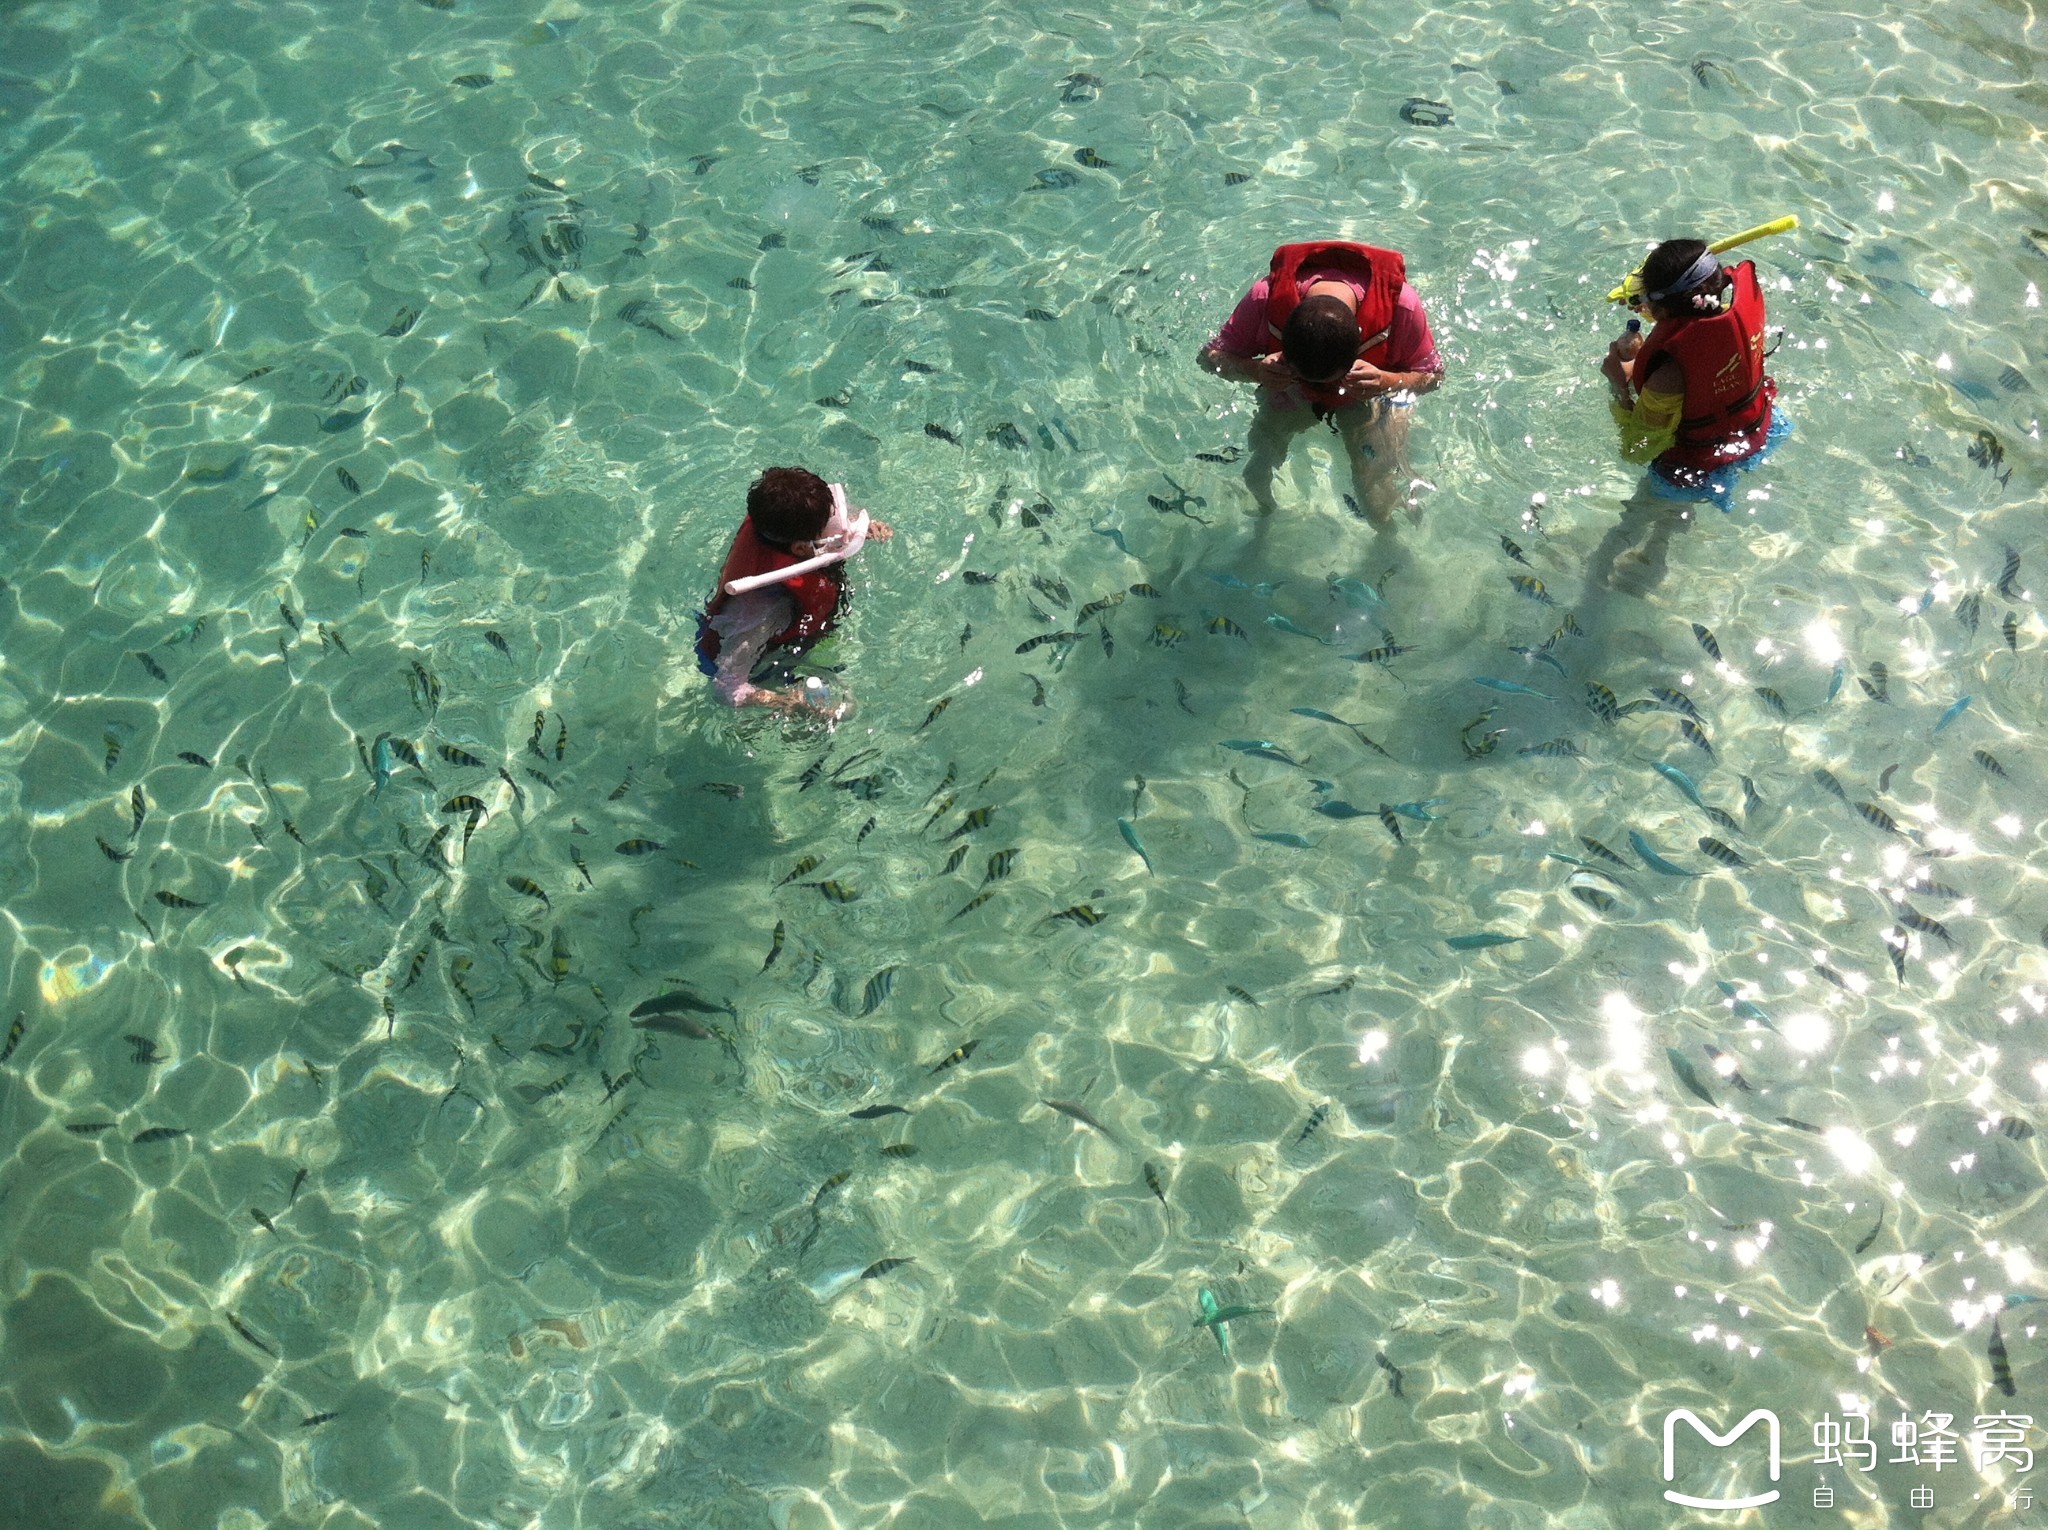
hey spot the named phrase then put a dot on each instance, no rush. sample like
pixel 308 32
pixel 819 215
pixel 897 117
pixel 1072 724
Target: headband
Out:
pixel 1696 275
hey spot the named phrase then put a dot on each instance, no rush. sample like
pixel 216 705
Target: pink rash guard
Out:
pixel 1411 347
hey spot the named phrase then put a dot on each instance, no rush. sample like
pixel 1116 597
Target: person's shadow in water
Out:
pixel 1634 557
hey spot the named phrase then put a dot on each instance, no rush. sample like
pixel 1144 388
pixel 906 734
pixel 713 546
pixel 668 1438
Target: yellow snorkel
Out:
pixel 1632 288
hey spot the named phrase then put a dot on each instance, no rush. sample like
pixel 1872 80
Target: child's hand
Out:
pixel 880 531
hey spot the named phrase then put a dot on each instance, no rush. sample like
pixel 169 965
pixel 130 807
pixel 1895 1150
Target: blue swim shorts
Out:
pixel 1718 486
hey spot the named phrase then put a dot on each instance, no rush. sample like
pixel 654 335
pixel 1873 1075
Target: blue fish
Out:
pixel 1920 606
pixel 1744 1010
pixel 340 420
pixel 208 476
pixel 382 762
pixel 1835 680
pixel 1480 941
pixel 1115 536
pixel 1060 425
pixel 1540 656
pixel 1419 811
pixel 1510 687
pixel 1130 833
pixel 1355 593
pixel 1655 861
pixel 1213 1317
pixel 1045 439
pixel 1262 749
pixel 1357 732
pixel 1952 714
pixel 1681 780
pixel 1583 865
pixel 1319 715
pixel 1281 622
pixel 1689 1076
pixel 1292 841
pixel 1232 582
pixel 1341 810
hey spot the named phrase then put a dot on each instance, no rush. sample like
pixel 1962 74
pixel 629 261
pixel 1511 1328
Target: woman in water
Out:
pixel 1692 398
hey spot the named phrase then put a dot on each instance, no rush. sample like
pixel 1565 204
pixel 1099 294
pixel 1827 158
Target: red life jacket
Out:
pixel 1384 273
pixel 816 594
pixel 1727 409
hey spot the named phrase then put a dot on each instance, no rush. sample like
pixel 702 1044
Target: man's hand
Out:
pixel 1365 380
pixel 1270 370
pixel 879 531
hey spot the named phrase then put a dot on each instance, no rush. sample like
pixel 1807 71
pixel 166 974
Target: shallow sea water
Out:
pixel 1516 1239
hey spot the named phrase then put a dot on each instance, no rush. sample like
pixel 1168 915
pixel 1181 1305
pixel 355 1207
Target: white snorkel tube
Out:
pixel 842 538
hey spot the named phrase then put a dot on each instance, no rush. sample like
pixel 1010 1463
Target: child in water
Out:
pixel 782 585
pixel 1692 397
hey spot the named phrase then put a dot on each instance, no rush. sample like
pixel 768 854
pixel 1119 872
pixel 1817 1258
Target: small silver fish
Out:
pixel 1079 1113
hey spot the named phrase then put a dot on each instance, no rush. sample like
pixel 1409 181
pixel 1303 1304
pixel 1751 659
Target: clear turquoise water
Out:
pixel 524 1308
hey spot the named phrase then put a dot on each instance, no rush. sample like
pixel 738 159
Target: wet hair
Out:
pixel 1321 338
pixel 789 504
pixel 1669 263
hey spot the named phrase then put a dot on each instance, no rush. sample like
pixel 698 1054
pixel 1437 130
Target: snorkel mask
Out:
pixel 844 533
pixel 1631 289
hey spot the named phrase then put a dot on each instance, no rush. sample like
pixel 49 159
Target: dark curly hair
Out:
pixel 789 504
pixel 1668 263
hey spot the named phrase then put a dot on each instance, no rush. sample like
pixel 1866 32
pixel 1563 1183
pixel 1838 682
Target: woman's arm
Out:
pixel 1648 420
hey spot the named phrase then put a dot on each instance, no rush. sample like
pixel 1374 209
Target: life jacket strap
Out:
pixel 1738 407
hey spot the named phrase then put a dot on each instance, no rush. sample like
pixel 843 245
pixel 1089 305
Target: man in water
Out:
pixel 1333 332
